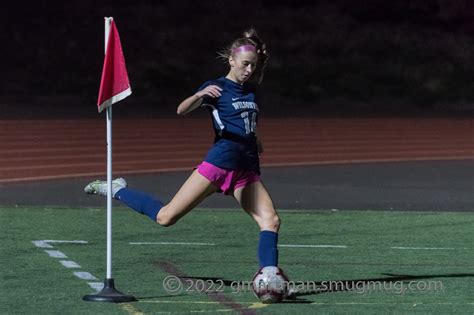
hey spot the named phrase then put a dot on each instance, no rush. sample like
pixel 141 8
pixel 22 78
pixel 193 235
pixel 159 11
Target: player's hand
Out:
pixel 211 90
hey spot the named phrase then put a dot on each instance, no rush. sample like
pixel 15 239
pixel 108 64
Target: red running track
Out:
pixel 50 149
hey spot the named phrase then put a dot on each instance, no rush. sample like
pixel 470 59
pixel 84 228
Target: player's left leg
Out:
pixel 256 201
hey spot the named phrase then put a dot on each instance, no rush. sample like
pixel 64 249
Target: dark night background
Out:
pixel 327 57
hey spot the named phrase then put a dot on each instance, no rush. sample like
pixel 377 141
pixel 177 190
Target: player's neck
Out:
pixel 231 77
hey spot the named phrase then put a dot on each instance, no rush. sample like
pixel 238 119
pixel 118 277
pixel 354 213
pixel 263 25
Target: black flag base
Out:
pixel 109 294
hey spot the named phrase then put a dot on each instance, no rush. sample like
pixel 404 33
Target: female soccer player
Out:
pixel 232 164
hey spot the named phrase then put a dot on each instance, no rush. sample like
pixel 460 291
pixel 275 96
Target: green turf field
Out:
pixel 401 262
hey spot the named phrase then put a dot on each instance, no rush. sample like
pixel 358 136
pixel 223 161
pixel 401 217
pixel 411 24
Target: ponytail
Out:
pixel 250 37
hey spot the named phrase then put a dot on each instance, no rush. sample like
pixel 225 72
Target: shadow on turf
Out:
pixel 341 285
pixel 296 297
pixel 229 283
pixel 226 283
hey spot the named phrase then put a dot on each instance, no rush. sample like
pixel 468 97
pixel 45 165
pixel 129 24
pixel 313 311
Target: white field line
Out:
pixel 425 248
pixel 83 275
pixel 212 244
pixel 96 285
pixel 42 244
pixel 311 246
pixel 69 264
pixel 55 254
pixel 172 243
pixel 294 245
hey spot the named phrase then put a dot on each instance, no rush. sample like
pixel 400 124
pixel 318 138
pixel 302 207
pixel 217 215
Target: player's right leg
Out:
pixel 193 191
pixel 137 200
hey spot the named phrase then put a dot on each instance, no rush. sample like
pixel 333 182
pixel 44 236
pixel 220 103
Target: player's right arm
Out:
pixel 194 101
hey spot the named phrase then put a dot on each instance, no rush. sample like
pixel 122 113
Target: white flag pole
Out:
pixel 109 293
pixel 108 22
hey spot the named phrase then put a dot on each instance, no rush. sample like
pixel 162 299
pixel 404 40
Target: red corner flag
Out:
pixel 114 85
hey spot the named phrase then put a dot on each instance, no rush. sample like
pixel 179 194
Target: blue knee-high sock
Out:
pixel 267 249
pixel 140 202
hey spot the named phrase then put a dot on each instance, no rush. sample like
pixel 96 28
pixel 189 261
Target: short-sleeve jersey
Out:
pixel 234 115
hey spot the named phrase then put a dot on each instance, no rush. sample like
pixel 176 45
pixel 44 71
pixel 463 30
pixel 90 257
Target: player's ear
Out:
pixel 231 61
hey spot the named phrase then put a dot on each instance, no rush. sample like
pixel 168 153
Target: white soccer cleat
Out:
pixel 291 293
pixel 99 187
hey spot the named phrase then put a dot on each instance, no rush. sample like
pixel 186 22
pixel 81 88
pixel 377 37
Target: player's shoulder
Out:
pixel 219 82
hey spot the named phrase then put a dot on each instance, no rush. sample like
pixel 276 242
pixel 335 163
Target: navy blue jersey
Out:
pixel 234 115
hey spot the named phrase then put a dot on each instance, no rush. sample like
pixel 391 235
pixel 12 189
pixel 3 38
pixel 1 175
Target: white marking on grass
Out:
pixel 69 264
pixel 311 246
pixel 172 243
pixel 55 254
pixel 84 275
pixel 292 245
pixel 42 244
pixel 423 248
pixel 96 285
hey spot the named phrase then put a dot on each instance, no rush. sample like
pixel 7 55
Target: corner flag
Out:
pixel 114 85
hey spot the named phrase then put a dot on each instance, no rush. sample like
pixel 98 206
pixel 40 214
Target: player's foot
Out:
pixel 290 290
pixel 99 187
pixel 291 293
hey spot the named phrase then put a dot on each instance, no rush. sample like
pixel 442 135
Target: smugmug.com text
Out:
pixel 175 285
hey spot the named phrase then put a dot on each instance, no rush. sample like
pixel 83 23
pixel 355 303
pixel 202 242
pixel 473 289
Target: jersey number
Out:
pixel 250 126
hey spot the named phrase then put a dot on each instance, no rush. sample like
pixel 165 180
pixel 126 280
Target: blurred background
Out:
pixel 337 57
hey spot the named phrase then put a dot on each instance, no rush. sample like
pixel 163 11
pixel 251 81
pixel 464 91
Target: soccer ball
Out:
pixel 270 284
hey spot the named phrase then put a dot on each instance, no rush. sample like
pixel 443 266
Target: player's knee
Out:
pixel 271 222
pixel 276 221
pixel 165 220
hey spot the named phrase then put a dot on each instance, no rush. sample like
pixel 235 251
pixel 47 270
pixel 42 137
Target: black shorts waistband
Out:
pixel 234 137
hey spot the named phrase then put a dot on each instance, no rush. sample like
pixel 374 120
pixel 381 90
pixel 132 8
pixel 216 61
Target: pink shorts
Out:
pixel 226 180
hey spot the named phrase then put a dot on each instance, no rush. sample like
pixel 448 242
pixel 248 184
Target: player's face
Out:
pixel 242 65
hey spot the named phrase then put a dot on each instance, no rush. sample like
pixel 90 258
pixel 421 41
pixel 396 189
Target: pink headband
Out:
pixel 244 48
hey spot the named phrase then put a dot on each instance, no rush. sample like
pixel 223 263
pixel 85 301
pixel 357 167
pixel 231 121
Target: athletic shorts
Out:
pixel 227 180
